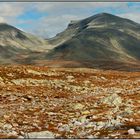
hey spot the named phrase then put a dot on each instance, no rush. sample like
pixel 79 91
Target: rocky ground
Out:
pixel 38 102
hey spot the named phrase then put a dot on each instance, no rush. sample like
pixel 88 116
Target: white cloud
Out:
pixel 51 7
pixel 2 20
pixel 13 9
pixel 10 10
pixel 50 26
pixel 132 16
pixel 59 14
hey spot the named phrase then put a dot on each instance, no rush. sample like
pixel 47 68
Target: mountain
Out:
pixel 97 41
pixel 16 45
pixel 101 41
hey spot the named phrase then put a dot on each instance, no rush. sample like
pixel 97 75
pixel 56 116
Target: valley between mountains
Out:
pixel 82 83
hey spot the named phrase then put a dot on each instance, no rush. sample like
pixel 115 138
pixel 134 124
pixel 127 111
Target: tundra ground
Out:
pixel 47 102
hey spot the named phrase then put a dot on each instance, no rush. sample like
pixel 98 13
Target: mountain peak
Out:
pixel 101 37
pixel 103 14
pixel 5 27
pixel 4 24
pixel 98 18
pixel 101 19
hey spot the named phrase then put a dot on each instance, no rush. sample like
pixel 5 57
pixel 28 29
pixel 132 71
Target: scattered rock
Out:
pixel 6 117
pixel 64 127
pixel 42 134
pixel 90 107
pixel 113 99
pixel 137 128
pixel 20 137
pixel 15 124
pixel 13 133
pixel 131 131
pixel 85 112
pixel 77 123
pixel 70 78
pixel 78 106
pixel 90 137
pixel 7 126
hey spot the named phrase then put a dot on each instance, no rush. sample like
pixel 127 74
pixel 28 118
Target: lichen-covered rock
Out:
pixel 42 134
pixel 7 126
pixel 70 78
pixel 112 100
pixel 1 81
pixel 78 106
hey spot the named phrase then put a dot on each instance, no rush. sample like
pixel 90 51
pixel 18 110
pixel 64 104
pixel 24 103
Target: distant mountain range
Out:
pixel 100 41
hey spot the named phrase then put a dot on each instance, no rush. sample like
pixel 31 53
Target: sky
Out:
pixel 46 19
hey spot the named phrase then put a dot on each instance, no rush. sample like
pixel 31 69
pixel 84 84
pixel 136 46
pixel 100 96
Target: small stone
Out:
pixel 22 133
pixel 35 125
pixel 85 112
pixel 90 125
pixel 137 128
pixel 83 119
pixel 15 124
pixel 90 137
pixel 42 134
pixel 13 98
pixel 131 120
pixel 113 99
pixel 13 133
pixel 131 131
pixel 6 117
pixel 70 78
pixel 64 128
pixel 77 123
pixel 7 126
pixel 96 134
pixel 78 106
pixel 103 78
pixel 20 137
pixel 1 124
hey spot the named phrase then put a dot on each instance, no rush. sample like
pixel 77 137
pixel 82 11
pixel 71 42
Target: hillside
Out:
pixel 16 44
pixel 102 41
pixel 100 38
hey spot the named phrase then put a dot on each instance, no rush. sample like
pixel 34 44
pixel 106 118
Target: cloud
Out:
pixel 2 20
pixel 54 24
pixel 56 15
pixel 60 14
pixel 51 7
pixel 132 16
pixel 10 11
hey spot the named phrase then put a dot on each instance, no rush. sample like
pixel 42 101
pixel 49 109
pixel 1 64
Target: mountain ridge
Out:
pixel 99 38
pixel 16 45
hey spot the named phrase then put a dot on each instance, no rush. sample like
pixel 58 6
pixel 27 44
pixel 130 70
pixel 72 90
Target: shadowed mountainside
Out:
pixel 101 41
pixel 100 37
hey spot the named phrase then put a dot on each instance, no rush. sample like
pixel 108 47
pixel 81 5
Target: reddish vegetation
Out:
pixel 69 102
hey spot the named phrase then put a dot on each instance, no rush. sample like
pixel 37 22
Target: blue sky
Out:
pixel 46 19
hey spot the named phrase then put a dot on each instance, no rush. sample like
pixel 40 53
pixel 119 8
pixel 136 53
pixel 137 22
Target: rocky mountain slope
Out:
pixel 16 44
pixel 98 39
